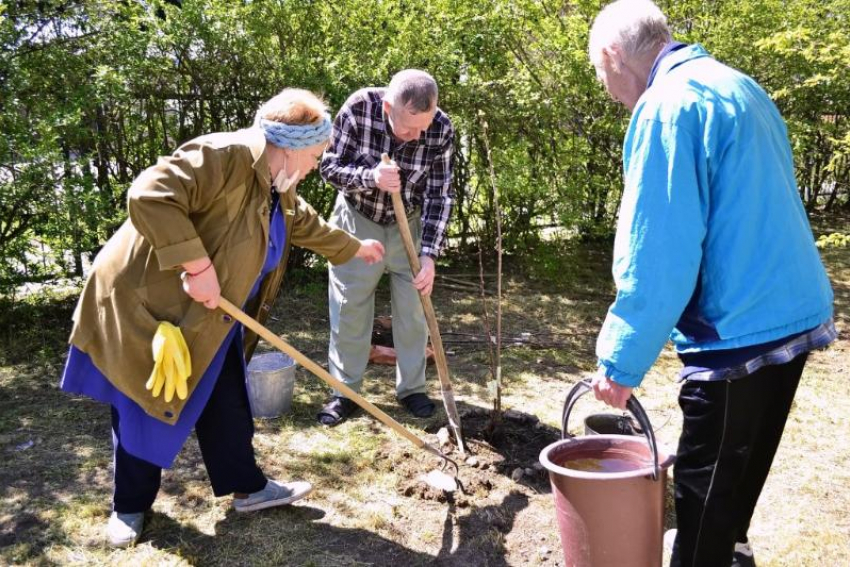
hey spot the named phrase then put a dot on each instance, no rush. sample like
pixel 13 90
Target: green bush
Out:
pixel 91 92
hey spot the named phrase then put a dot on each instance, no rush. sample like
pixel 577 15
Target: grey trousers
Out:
pixel 351 296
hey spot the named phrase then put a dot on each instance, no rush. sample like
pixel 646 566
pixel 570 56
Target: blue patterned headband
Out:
pixel 296 136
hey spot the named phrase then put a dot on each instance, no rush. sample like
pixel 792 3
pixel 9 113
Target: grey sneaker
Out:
pixel 275 493
pixel 124 529
pixel 743 556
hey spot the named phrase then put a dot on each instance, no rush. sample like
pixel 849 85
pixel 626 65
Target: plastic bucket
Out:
pixel 271 380
pixel 609 493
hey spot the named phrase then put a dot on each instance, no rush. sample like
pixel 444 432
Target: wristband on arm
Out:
pixel 198 273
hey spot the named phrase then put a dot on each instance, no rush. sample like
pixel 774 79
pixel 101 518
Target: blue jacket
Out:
pixel 713 247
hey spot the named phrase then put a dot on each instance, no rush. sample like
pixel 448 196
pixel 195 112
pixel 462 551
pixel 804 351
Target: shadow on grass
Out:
pixel 297 535
pixel 53 450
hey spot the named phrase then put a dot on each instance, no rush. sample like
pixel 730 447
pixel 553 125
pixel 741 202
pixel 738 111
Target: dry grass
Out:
pixel 55 495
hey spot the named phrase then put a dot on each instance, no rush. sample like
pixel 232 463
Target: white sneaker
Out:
pixel 275 493
pixel 124 529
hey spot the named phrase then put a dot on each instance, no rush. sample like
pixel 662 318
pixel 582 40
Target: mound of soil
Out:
pixel 508 449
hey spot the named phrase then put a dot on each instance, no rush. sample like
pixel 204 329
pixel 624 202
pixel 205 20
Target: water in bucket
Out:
pixel 271 381
pixel 604 464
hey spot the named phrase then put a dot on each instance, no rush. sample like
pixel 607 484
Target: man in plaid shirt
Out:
pixel 404 122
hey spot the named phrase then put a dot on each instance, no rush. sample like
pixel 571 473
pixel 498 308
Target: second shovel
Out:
pixel 431 318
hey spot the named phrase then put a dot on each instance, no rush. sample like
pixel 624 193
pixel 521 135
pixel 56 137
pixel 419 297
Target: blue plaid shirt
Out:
pixel 361 133
pixel 818 337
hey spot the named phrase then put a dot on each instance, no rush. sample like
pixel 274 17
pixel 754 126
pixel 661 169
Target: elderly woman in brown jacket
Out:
pixel 216 218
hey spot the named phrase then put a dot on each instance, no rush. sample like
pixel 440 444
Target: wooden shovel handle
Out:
pixel 323 374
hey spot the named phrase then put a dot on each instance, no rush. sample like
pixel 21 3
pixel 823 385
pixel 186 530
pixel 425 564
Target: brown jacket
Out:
pixel 210 198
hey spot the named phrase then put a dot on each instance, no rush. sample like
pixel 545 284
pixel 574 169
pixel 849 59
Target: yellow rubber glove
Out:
pixel 172 363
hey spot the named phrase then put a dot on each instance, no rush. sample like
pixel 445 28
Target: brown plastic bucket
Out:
pixel 609 493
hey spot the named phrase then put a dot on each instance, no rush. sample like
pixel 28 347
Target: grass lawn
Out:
pixel 55 477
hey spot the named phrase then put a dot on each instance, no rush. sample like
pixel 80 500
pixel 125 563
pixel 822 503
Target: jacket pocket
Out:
pixel 163 296
pixel 195 317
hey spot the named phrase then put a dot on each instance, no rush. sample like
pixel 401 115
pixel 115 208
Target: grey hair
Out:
pixel 636 27
pixel 414 89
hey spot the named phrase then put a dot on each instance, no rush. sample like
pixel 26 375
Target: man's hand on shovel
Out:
pixel 424 280
pixel 387 177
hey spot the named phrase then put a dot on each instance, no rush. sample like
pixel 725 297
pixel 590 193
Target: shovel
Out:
pixel 435 478
pixel 430 317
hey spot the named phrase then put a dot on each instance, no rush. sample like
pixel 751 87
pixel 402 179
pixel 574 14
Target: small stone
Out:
pixel 517 473
pixel 514 415
pixel 440 481
pixel 443 436
pixel 533 419
pixel 529 471
pixel 472 462
pixel 537 466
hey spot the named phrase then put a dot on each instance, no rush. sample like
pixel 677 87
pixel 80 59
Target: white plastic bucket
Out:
pixel 271 380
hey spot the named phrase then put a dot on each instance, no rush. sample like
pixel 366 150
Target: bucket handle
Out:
pixel 634 407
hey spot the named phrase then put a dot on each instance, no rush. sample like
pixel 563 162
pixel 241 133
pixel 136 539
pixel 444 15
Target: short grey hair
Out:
pixel 636 27
pixel 414 89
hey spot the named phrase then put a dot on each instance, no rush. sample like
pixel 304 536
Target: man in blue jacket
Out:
pixel 713 251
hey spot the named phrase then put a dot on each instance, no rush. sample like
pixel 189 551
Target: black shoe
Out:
pixel 420 405
pixel 743 556
pixel 336 411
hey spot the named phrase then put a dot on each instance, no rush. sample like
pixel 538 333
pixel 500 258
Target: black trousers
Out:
pixel 224 429
pixel 730 434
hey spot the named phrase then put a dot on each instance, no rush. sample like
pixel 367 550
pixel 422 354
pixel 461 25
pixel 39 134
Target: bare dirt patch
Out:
pixel 495 455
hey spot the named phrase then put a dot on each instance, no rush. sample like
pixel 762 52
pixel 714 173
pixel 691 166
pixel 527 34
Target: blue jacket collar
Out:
pixel 668 61
pixel 667 50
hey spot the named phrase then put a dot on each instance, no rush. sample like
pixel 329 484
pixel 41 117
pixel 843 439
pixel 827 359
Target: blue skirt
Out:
pixel 141 435
pixel 144 436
